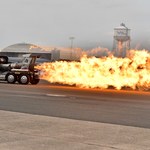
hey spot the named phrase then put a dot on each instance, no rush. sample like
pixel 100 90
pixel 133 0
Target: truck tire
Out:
pixel 11 78
pixel 23 79
pixel 34 81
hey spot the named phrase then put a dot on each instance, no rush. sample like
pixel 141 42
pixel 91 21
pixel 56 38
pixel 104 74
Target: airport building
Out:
pixel 46 53
pixel 18 50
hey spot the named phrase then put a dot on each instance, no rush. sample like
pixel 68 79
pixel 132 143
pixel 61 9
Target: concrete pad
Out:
pixel 20 131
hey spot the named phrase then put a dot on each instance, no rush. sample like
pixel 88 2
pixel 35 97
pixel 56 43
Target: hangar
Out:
pixel 19 49
pixel 47 54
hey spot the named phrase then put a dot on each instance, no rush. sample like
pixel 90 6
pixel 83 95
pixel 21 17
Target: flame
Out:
pixel 132 71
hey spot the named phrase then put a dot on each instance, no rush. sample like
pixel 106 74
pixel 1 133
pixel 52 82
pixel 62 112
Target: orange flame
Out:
pixel 132 71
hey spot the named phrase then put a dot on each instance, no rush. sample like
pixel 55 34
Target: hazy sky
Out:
pixel 91 22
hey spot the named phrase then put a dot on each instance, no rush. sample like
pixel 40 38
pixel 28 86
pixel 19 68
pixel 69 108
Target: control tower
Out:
pixel 121 40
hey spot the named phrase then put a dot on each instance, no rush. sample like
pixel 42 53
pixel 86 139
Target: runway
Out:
pixel 125 107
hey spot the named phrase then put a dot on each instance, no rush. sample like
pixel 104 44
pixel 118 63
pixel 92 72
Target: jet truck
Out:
pixel 23 72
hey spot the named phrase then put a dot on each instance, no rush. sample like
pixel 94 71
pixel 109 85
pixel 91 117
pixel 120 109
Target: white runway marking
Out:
pixel 56 95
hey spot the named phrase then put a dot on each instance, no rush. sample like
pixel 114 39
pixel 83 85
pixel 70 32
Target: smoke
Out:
pixel 98 52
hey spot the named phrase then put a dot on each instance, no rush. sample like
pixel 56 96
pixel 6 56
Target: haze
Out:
pixel 91 22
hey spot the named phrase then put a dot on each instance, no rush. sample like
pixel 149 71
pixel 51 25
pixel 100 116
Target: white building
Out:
pixel 46 53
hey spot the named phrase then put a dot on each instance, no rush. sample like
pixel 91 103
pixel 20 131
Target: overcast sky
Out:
pixel 91 22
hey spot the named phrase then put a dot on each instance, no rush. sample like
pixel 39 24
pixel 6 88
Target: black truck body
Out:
pixel 21 72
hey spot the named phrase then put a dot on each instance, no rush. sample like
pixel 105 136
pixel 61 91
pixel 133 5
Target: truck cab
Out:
pixel 22 72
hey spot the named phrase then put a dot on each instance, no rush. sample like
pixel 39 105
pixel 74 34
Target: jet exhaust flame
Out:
pixel 132 71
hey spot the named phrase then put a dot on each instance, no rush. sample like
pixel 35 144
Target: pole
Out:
pixel 71 46
pixel 71 39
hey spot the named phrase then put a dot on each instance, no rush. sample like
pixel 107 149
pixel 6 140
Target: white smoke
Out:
pixel 98 52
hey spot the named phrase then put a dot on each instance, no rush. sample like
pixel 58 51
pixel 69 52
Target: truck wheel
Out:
pixel 34 81
pixel 11 78
pixel 23 79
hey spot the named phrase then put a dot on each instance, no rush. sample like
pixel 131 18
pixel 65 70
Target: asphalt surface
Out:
pixel 125 107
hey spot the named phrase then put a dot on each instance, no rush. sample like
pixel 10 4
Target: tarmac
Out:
pixel 20 131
